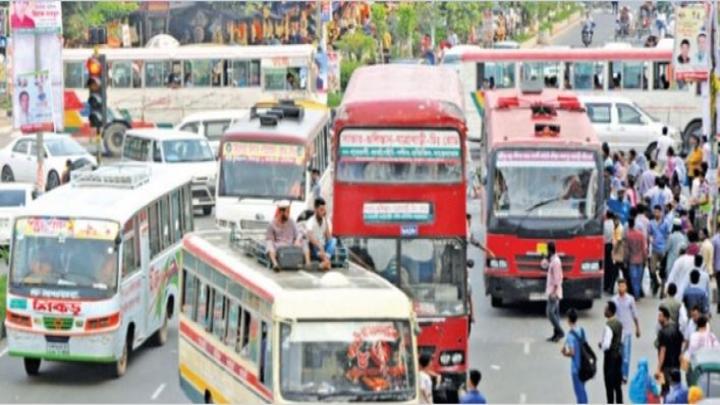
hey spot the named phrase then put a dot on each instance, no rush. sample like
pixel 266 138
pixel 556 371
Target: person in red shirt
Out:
pixel 19 19
pixel 637 255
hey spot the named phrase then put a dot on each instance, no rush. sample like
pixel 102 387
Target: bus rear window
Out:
pixel 399 156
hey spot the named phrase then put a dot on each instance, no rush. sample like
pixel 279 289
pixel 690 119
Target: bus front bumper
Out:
pixel 94 348
pixel 523 289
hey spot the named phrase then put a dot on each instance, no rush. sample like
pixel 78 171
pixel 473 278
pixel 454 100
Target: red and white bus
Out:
pixel 543 183
pixel 643 75
pixel 400 199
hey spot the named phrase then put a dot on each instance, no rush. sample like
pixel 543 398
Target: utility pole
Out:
pixel 40 138
pixel 713 83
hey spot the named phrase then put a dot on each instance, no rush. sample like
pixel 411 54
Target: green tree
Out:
pixel 406 26
pixel 78 16
pixel 357 46
pixel 378 16
pixel 462 16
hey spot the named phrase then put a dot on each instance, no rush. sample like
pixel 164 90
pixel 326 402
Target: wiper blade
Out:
pixel 542 204
pixel 62 281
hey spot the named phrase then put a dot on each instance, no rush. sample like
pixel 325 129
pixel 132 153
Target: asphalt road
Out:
pixel 604 30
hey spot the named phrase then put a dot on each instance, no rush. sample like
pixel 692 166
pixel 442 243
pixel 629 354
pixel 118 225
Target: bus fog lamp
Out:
pixel 497 263
pixel 590 266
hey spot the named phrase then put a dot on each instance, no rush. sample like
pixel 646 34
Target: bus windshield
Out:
pixel 347 361
pixel 65 254
pixel 187 150
pixel 262 170
pixel 432 271
pixel 569 182
pixel 399 156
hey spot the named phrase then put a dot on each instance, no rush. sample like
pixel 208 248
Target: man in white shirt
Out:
pixel 322 244
pixel 663 143
pixel 426 384
pixel 680 273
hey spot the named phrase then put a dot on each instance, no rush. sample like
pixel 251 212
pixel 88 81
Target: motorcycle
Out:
pixel 587 35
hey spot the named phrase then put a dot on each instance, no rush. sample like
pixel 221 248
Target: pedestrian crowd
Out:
pixel 658 216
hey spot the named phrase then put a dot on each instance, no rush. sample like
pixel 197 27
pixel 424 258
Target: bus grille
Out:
pixel 532 263
pixel 54 323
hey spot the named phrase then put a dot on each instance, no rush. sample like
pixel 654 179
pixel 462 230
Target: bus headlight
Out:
pixel 451 358
pixel 445 359
pixel 457 358
pixel 589 267
pixel 497 263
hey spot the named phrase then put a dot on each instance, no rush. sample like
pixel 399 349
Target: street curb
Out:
pixel 558 29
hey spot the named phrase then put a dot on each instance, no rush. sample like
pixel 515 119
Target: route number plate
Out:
pixel 58 348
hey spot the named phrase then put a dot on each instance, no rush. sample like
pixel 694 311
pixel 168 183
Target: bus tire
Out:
pixel 119 367
pixel 207 210
pixel 161 335
pixel 32 366
pixel 113 138
pixel 496 302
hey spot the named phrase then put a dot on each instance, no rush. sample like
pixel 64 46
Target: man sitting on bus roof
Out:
pixel 322 244
pixel 283 231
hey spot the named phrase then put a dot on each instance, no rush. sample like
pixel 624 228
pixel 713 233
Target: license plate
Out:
pixel 58 348
pixel 538 297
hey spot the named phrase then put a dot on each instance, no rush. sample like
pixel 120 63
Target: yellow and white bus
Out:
pixel 94 266
pixel 250 335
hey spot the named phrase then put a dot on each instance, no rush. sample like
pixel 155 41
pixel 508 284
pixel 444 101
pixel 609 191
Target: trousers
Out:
pixel 552 309
pixel 612 371
pixel 579 388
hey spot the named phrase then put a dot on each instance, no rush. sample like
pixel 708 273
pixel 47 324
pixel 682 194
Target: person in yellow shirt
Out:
pixel 694 158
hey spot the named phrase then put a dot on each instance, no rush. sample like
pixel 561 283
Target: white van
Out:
pixel 185 151
pixel 621 123
pixel 211 124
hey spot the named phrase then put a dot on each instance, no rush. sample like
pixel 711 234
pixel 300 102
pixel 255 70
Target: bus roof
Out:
pixel 402 96
pixel 287 130
pixel 111 202
pixel 513 124
pixel 403 82
pixel 567 55
pixel 344 294
pixel 194 52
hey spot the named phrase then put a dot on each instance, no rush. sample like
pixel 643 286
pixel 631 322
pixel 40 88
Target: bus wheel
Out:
pixel 496 302
pixel 113 137
pixel 32 366
pixel 120 365
pixel 207 210
pixel 160 337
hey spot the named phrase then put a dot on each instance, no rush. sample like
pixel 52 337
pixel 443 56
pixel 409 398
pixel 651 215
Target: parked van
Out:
pixel 211 124
pixel 186 151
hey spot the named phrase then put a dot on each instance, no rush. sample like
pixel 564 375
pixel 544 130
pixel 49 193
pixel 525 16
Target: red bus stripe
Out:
pixel 225 361
pixel 227 270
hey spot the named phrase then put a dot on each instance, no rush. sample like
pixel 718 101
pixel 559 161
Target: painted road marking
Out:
pixel 495 367
pixel 526 348
pixel 158 391
pixel 523 398
pixel 4 351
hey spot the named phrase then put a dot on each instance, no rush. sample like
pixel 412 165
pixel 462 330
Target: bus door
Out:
pixel 134 278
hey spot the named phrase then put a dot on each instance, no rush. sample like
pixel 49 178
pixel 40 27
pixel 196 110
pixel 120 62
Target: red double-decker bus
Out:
pixel 543 183
pixel 399 199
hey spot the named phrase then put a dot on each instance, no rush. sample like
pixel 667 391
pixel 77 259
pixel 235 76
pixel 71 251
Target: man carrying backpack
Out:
pixel 582 363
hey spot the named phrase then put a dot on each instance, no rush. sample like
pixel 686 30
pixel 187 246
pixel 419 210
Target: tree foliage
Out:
pixel 406 24
pixel 357 46
pixel 78 16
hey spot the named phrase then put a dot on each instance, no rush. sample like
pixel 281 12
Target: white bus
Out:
pixel 643 75
pixel 94 266
pixel 269 156
pixel 251 335
pixel 162 85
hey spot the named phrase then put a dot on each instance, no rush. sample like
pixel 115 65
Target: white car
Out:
pixel 19 159
pixel 13 197
pixel 184 151
pixel 624 125
pixel 211 124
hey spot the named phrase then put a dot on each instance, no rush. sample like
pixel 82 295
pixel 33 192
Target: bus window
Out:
pixel 633 76
pixel 75 75
pixel 232 335
pixel 156 73
pixel 548 72
pixel 123 76
pixel 204 306
pixel 661 79
pixel 586 75
pixel 245 73
pixel 176 214
pixel 203 73
pixel 497 75
pixel 154 219
pixel 293 78
pixel 187 205
pixel 129 265
pixel 189 295
pixel 250 337
pixel 165 222
pixel 266 355
pixel 219 315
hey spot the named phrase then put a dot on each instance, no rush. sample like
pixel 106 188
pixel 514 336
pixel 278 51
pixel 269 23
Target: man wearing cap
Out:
pixel 283 231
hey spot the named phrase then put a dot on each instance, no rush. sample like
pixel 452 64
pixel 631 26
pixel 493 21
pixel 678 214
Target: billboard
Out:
pixel 691 53
pixel 37 71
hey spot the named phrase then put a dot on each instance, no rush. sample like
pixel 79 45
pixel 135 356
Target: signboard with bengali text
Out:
pixel 543 158
pixel 69 228
pixel 258 152
pixel 397 145
pixel 397 212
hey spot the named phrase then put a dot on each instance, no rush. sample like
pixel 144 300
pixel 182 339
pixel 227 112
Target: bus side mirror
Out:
pixel 470 263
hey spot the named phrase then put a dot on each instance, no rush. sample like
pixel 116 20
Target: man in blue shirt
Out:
pixel 678 393
pixel 572 349
pixel 694 295
pixel 473 395
pixel 659 230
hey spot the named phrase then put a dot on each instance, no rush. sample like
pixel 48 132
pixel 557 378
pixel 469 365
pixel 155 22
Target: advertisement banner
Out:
pixel 691 54
pixel 37 69
pixel 36 17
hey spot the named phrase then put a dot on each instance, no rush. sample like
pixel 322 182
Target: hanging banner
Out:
pixel 691 54
pixel 37 70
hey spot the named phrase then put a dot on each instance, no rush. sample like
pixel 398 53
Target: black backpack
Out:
pixel 588 361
